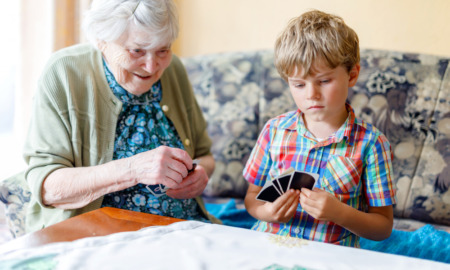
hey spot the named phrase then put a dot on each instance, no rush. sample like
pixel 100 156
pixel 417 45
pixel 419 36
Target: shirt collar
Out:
pixel 294 121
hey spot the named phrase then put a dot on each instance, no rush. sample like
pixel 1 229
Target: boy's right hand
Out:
pixel 283 208
pixel 279 211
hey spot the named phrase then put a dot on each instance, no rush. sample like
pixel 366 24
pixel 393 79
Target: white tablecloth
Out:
pixel 196 245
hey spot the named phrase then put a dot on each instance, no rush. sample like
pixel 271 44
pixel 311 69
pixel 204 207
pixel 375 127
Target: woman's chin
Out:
pixel 137 90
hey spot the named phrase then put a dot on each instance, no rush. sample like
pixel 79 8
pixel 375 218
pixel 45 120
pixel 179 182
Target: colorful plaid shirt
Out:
pixel 354 164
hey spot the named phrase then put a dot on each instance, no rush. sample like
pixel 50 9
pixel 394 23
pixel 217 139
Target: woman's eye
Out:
pixel 324 81
pixel 163 53
pixel 137 52
pixel 299 85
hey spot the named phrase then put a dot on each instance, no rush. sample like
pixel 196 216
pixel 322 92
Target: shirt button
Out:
pixel 165 108
pixel 187 142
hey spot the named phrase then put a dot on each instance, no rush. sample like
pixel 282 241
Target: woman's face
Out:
pixel 134 67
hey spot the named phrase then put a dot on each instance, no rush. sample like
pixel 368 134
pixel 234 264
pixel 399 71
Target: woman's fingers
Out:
pixel 163 165
pixel 192 186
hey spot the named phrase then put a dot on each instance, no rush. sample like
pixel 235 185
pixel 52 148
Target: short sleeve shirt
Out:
pixel 354 164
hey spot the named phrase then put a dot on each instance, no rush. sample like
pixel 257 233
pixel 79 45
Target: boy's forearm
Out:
pixel 374 225
pixel 252 205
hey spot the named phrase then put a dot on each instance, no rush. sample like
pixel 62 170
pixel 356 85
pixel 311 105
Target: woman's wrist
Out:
pixel 123 172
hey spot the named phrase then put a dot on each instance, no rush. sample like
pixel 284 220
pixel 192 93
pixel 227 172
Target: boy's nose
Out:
pixel 313 92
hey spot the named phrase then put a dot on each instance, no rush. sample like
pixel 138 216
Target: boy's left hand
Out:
pixel 319 204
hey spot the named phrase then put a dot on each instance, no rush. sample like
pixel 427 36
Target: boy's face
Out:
pixel 321 95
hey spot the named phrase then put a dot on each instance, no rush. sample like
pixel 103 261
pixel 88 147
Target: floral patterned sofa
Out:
pixel 407 96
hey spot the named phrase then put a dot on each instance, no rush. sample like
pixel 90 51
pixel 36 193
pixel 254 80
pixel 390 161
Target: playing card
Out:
pixel 285 181
pixel 277 185
pixel 303 179
pixel 194 164
pixel 290 179
pixel 156 190
pixel 268 194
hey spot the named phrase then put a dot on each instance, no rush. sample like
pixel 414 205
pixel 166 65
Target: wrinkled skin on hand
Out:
pixel 169 166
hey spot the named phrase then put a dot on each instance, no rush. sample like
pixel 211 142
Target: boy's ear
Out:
pixel 354 73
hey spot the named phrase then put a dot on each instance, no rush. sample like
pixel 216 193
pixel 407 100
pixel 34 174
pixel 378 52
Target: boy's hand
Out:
pixel 283 208
pixel 320 204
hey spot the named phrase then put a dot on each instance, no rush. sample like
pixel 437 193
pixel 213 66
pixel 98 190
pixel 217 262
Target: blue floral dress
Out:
pixel 142 126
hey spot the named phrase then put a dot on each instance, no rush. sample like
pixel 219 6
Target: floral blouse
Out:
pixel 142 126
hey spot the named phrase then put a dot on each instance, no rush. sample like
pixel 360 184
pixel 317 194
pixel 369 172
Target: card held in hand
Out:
pixel 303 180
pixel 268 194
pixel 291 179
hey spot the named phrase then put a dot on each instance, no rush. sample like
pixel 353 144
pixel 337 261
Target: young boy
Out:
pixel 318 55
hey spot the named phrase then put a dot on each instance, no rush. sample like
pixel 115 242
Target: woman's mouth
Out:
pixel 143 77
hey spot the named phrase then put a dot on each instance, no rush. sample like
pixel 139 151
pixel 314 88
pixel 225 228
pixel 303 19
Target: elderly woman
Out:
pixel 116 123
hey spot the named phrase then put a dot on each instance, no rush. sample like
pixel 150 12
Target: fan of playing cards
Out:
pixel 291 179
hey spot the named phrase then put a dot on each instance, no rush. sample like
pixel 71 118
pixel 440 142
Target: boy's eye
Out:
pixel 324 81
pixel 299 85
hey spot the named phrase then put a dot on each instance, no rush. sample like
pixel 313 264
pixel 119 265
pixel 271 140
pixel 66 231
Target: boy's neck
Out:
pixel 325 128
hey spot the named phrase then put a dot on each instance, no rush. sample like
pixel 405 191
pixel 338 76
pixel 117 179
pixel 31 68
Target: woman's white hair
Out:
pixel 108 20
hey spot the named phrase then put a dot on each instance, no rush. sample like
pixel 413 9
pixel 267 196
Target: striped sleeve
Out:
pixel 258 165
pixel 380 190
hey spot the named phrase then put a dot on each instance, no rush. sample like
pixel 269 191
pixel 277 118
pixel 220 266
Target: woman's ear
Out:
pixel 101 45
pixel 353 75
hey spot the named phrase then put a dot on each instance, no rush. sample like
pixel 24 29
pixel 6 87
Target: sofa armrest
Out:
pixel 15 194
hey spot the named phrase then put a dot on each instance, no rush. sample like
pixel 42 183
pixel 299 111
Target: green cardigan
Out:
pixel 74 119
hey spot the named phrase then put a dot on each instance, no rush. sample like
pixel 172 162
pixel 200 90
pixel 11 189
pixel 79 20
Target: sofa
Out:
pixel 405 95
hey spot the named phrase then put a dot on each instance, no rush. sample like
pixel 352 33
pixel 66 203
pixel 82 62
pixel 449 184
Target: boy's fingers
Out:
pixel 291 211
pixel 306 192
pixel 284 202
pixel 304 201
pixel 284 198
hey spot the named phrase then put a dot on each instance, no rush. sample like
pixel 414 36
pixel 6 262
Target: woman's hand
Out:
pixel 163 165
pixel 169 166
pixel 191 186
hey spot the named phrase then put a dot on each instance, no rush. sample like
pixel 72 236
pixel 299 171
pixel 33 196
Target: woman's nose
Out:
pixel 150 63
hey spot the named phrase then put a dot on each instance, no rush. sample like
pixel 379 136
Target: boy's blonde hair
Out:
pixel 315 36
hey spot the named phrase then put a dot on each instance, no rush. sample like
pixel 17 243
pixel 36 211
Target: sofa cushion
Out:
pixel 238 92
pixel 429 196
pixel 228 90
pixel 398 93
pixel 15 194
